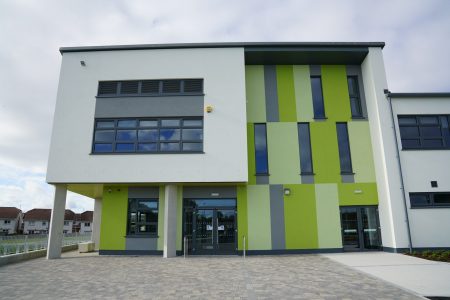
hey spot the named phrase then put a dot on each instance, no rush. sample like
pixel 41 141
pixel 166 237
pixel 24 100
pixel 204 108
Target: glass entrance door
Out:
pixel 210 226
pixel 360 228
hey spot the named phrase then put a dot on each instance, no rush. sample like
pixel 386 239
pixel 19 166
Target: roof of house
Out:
pixel 9 212
pixel 45 214
pixel 87 216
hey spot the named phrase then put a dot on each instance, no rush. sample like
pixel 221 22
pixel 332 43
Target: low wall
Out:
pixel 14 258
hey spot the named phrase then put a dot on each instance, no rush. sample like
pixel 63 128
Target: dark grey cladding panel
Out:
pixel 170 106
pixel 355 70
pixel 315 70
pixel 209 192
pixel 141 243
pixel 262 179
pixel 348 178
pixel 270 85
pixel 277 217
pixel 143 192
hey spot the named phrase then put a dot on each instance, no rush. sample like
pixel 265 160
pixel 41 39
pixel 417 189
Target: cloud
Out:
pixel 416 34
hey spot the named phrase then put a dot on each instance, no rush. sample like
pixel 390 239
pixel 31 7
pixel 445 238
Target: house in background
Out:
pixel 37 221
pixel 10 220
pixel 83 222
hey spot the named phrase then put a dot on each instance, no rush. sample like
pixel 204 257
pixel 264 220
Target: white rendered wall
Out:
pixel 11 227
pixel 391 204
pixel 225 141
pixel 430 227
pixel 37 226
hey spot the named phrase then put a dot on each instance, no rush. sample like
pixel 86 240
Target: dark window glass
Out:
pixel 304 141
pixel 192 123
pixel 101 148
pixel 148 135
pixel 129 87
pixel 419 200
pixel 150 86
pixel 169 134
pixel 126 123
pixel 170 123
pixel 126 135
pixel 148 123
pixel 124 147
pixel 261 162
pixel 192 134
pixel 192 147
pixel 344 148
pixel 104 136
pixel 317 95
pixel 355 97
pixel 142 216
pixel 424 132
pixel 147 147
pixel 441 199
pixel 429 199
pixel 170 146
pixel 105 124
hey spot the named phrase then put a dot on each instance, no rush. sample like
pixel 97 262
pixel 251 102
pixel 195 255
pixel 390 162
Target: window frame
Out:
pixel 322 100
pixel 420 138
pixel 138 223
pixel 137 127
pixel 266 149
pixel 356 96
pixel 430 196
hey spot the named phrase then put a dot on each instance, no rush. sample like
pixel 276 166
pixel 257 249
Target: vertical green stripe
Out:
pixel 361 151
pixel 303 96
pixel 358 194
pixel 242 216
pixel 284 161
pixel 300 217
pixel 328 218
pixel 335 93
pixel 251 153
pixel 179 217
pixel 325 152
pixel 258 211
pixel 161 218
pixel 255 93
pixel 286 94
pixel 114 218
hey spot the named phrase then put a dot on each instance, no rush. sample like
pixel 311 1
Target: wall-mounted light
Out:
pixel 214 194
pixel 357 191
pixel 209 108
pixel 82 63
pixel 287 192
pixel 109 190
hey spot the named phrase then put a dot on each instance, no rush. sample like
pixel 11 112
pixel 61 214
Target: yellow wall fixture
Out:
pixel 209 108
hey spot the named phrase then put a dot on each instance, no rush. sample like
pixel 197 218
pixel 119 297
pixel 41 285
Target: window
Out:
pixel 355 96
pixel 150 87
pixel 148 135
pixel 429 200
pixel 44 223
pixel 7 222
pixel 66 223
pixel 142 216
pixel 304 141
pixel 87 224
pixel 31 223
pixel 344 148
pixel 317 95
pixel 425 131
pixel 261 162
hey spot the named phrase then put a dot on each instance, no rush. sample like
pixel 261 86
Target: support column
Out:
pixel 97 220
pixel 55 235
pixel 170 221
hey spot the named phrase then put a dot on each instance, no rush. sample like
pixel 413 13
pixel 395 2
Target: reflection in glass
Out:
pixel 148 135
pixel 192 146
pixel 126 135
pixel 148 147
pixel 126 123
pixel 262 166
pixel 103 148
pixel 170 146
pixel 148 123
pixel 124 147
pixel 169 134
pixel 316 89
pixel 192 134
pixel 305 148
pixel 170 123
pixel 192 123
pixel 104 136
pixel 105 124
pixel 344 148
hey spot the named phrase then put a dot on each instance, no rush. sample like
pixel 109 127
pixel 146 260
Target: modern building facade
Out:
pixel 220 148
pixel 10 220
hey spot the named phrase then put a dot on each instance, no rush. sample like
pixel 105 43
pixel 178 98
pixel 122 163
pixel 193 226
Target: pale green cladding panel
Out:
pixel 114 218
pixel 358 194
pixel 361 151
pixel 258 221
pixel 282 148
pixel 255 94
pixel 303 95
pixel 328 218
pixel 335 93
pixel 242 216
pixel 251 153
pixel 325 152
pixel 161 205
pixel 300 217
pixel 286 94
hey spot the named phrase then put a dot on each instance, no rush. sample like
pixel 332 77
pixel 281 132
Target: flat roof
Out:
pixel 420 95
pixel 265 52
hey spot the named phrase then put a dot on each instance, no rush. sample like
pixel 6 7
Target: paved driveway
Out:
pixel 90 276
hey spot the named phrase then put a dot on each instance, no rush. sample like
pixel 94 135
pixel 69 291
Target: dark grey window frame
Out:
pixel 267 149
pixel 355 97
pixel 430 196
pixel 129 211
pixel 346 148
pixel 443 123
pixel 136 142
pixel 161 89
pixel 304 155
pixel 322 100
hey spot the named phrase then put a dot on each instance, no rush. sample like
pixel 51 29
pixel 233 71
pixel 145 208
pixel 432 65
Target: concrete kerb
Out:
pixel 19 257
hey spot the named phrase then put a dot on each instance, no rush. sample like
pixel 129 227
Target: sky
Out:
pixel 416 32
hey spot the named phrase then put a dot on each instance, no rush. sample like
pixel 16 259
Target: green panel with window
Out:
pixel 114 218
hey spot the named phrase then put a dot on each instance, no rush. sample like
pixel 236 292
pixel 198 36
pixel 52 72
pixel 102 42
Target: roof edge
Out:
pixel 63 50
pixel 420 95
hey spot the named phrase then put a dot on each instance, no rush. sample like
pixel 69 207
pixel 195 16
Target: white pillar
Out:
pixel 170 221
pixel 97 220
pixel 57 222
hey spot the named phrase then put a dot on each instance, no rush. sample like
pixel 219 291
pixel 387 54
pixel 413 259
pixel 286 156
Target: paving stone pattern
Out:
pixel 89 276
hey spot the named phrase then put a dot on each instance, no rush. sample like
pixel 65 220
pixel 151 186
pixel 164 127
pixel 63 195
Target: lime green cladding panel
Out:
pixel 282 148
pixel 161 207
pixel 300 217
pixel 114 218
pixel 251 153
pixel 358 194
pixel 335 93
pixel 303 95
pixel 328 218
pixel 242 216
pixel 255 93
pixel 361 151
pixel 286 93
pixel 325 152
pixel 258 221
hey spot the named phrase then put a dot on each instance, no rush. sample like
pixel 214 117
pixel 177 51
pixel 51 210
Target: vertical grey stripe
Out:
pixel 270 86
pixel 355 70
pixel 277 217
pixel 315 70
pixel 262 179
